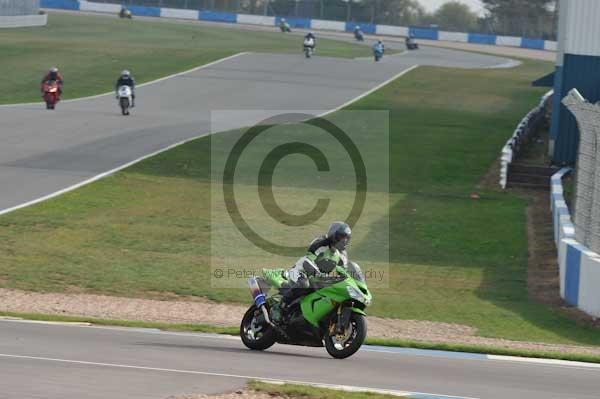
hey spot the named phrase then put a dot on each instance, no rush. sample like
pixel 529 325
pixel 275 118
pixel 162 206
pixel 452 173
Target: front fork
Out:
pixel 342 320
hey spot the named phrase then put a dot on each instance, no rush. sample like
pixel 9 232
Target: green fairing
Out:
pixel 356 310
pixel 320 303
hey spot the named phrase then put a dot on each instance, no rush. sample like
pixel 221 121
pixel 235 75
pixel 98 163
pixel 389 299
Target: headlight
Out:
pixel 355 294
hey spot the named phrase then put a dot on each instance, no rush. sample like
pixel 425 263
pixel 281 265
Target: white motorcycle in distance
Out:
pixel 124 97
pixel 309 45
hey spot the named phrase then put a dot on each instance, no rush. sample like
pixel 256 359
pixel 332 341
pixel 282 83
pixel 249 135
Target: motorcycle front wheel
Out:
pixel 124 106
pixel 345 345
pixel 256 335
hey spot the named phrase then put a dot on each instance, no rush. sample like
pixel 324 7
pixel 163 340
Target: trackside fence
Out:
pixel 178 9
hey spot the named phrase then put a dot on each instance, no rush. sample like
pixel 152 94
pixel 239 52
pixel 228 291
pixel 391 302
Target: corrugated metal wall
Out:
pixel 19 7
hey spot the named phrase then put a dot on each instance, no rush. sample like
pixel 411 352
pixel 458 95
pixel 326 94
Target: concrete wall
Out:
pixel 579 267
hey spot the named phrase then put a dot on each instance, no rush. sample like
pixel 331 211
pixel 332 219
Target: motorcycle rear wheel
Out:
pixel 267 335
pixel 353 343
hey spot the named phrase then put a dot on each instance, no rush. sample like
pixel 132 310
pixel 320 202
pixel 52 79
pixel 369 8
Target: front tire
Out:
pixel 254 336
pixel 124 106
pixel 341 348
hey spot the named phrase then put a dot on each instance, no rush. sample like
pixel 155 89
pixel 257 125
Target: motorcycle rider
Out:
pixel 358 35
pixel 410 42
pixel 283 25
pixel 53 74
pixel 310 38
pixel 124 12
pixel 323 255
pixel 125 79
pixel 378 47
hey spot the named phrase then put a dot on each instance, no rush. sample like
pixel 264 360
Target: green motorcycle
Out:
pixel 330 312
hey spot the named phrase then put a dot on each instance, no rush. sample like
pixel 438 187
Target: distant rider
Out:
pixel 53 74
pixel 283 25
pixel 310 40
pixel 379 47
pixel 124 12
pixel 358 33
pixel 127 80
pixel 323 255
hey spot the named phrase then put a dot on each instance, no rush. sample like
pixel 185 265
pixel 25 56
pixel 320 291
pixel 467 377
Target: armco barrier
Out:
pixel 178 13
pixel 256 20
pixel 508 41
pixel 144 11
pixel 453 36
pixel 579 268
pixel 391 30
pixel 327 25
pixel 479 38
pixel 422 33
pixel 301 23
pixel 218 16
pixel 22 21
pixel 61 4
pixel 99 7
pixel 366 28
pixel 304 23
pixel 536 44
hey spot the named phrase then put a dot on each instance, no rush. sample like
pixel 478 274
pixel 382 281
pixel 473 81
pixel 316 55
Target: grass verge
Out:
pixel 91 51
pixel 304 391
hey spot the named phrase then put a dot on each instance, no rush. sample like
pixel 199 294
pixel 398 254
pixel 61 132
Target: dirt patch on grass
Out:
pixel 197 311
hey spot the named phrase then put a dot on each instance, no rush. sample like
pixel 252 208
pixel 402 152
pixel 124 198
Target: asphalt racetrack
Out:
pixel 44 152
pixel 72 362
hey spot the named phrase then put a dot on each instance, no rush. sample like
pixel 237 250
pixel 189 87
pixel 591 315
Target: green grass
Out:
pixel 305 391
pixel 146 231
pixel 91 51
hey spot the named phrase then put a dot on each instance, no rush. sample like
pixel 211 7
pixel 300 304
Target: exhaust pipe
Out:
pixel 259 299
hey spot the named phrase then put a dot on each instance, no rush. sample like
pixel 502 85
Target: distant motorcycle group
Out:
pixel 309 43
pixel 52 85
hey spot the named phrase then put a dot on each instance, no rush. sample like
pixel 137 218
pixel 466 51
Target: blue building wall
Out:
pixel 583 73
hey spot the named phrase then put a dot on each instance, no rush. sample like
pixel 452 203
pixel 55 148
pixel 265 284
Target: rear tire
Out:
pixel 265 338
pixel 354 342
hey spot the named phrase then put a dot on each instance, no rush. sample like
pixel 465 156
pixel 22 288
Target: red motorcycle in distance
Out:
pixel 51 94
